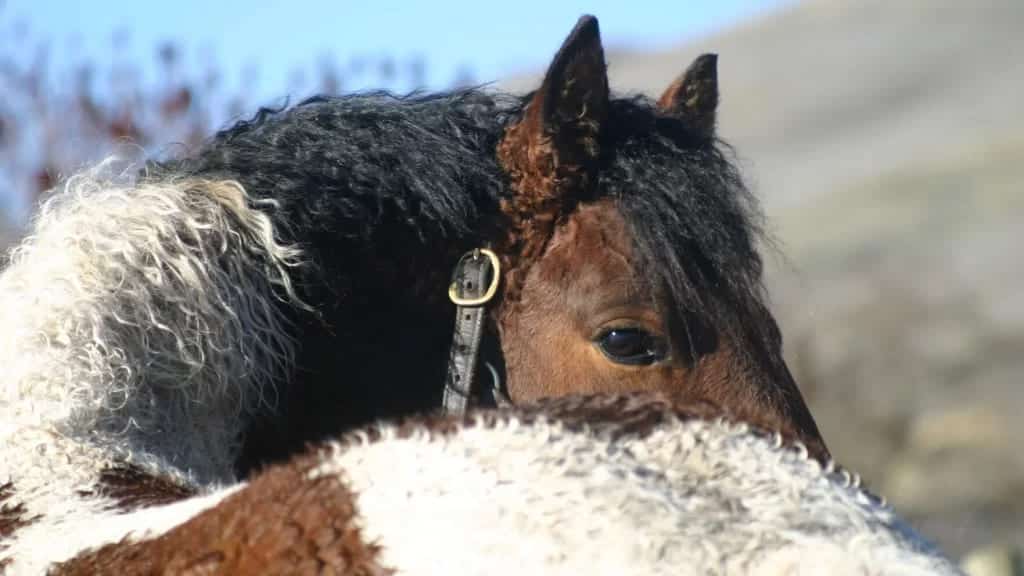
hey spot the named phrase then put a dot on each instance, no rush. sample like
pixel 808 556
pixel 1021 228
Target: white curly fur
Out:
pixel 138 325
pixel 40 545
pixel 692 498
pixel 696 498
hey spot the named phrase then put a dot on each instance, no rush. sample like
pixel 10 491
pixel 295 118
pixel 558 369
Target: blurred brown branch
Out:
pixel 47 132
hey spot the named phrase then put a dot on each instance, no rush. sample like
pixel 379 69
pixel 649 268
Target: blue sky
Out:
pixel 276 36
pixel 257 46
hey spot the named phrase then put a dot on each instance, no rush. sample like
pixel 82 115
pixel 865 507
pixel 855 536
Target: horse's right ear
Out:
pixel 572 102
pixel 551 154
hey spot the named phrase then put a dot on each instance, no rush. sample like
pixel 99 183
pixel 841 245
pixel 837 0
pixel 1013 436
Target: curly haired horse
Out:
pixel 170 334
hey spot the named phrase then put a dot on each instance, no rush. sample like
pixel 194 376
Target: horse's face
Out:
pixel 581 314
pixel 583 323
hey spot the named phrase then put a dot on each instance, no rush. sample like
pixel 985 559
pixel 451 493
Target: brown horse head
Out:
pixel 632 250
pixel 629 248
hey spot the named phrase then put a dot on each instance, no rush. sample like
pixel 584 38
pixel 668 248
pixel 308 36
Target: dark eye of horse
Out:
pixel 632 346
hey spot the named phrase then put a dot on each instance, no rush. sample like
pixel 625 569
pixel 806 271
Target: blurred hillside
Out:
pixel 886 141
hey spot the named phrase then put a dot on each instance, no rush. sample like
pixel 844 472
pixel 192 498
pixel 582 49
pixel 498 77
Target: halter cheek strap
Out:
pixel 474 284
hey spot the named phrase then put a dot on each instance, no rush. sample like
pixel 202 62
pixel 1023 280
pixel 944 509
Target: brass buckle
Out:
pixel 492 289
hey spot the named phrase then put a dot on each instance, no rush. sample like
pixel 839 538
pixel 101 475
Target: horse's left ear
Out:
pixel 551 154
pixel 694 95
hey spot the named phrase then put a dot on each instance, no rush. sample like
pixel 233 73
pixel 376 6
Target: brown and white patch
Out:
pixel 132 488
pixel 282 523
pixel 627 484
pixel 611 484
pixel 13 516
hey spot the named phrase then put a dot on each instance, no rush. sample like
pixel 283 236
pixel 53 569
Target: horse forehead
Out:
pixel 588 264
pixel 591 255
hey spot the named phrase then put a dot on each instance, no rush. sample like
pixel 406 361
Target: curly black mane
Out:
pixel 384 192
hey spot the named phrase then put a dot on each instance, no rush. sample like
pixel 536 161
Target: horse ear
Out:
pixel 694 95
pixel 572 101
pixel 551 154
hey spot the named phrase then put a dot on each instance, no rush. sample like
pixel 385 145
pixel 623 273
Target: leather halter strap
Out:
pixel 474 284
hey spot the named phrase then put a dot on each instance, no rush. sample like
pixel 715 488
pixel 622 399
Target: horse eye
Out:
pixel 631 346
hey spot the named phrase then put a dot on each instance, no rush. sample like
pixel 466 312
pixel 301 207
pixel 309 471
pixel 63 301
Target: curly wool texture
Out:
pixel 140 326
pixel 530 494
pixel 700 497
